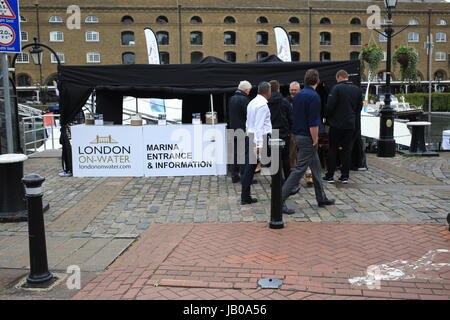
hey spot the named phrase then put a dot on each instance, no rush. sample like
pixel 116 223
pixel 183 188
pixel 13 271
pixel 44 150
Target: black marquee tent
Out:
pixel 193 83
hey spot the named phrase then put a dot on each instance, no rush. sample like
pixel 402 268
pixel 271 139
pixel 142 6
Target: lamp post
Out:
pixel 386 142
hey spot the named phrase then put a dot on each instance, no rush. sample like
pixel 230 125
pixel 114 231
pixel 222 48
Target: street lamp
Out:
pixel 36 53
pixel 386 141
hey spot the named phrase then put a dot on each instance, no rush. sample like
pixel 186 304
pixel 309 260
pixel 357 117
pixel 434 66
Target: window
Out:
pixel 230 56
pixel 196 20
pixel 91 19
pixel 354 55
pixel 56 36
pixel 23 19
pixel 262 38
pixel 325 21
pixel 164 57
pixel 325 56
pixel 229 38
pixel 23 80
pixel 24 36
pixel 229 20
pixel 355 38
pixel 441 37
pixel 262 20
pixel 196 38
pixel 384 56
pixel 325 38
pixel 295 56
pixel 196 56
pixel 60 56
pixel 382 38
pixel 51 79
pixel 127 19
pixel 128 58
pixel 294 38
pixel 93 57
pixel 413 37
pixel 439 75
pixel 55 19
pixel 128 38
pixel 294 20
pixel 162 20
pixel 261 55
pixel 441 22
pixel 92 36
pixel 162 38
pixel 413 22
pixel 440 56
pixel 23 58
pixel 355 21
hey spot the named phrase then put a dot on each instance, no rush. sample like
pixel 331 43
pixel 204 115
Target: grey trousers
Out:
pixel 307 156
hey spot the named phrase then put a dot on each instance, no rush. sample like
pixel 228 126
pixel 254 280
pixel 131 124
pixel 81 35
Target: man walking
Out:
pixel 237 110
pixel 306 129
pixel 344 102
pixel 258 124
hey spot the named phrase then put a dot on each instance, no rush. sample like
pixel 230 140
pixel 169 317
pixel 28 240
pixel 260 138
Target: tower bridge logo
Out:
pixel 105 140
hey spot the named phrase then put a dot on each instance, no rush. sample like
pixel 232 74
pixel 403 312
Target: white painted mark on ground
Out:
pixel 400 270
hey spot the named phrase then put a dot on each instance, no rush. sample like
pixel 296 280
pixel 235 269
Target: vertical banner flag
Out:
pixel 283 44
pixel 152 46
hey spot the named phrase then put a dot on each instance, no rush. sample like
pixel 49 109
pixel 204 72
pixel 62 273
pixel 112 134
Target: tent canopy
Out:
pixel 191 82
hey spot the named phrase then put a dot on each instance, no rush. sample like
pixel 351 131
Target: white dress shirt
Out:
pixel 258 119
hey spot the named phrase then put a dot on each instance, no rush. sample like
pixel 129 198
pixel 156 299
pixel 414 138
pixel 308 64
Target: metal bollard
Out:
pixel 276 214
pixel 39 273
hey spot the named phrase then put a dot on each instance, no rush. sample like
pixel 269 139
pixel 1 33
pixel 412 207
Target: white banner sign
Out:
pixel 152 47
pixel 283 44
pixel 107 151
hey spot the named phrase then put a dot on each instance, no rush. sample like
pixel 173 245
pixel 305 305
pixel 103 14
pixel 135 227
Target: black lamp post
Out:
pixel 386 141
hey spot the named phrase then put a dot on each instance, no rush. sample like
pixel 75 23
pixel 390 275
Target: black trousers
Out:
pixel 237 170
pixel 285 157
pixel 344 139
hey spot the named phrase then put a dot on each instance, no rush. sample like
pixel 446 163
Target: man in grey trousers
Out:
pixel 306 116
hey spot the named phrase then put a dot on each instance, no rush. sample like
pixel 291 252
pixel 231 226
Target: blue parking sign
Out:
pixel 9 26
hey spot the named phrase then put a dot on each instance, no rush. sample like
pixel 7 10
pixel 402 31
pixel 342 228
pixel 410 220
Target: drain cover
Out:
pixel 270 283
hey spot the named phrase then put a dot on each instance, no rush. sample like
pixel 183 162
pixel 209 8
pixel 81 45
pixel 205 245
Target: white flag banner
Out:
pixel 152 46
pixel 283 44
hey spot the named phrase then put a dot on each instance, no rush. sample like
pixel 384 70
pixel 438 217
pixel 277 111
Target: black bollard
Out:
pixel 276 214
pixel 448 220
pixel 39 274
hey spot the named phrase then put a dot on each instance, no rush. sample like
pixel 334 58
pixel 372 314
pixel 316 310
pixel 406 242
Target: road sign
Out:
pixel 9 26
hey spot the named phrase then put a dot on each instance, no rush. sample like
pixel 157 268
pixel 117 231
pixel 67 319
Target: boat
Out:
pixel 402 109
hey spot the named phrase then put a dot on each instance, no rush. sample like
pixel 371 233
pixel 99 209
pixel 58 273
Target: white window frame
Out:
pixel 412 37
pixel 442 22
pixel 23 39
pixel 61 57
pixel 92 33
pixel 20 57
pixel 55 38
pixel 414 21
pixel 55 19
pixel 384 56
pixel 443 39
pixel 89 19
pixel 440 56
pixel 92 54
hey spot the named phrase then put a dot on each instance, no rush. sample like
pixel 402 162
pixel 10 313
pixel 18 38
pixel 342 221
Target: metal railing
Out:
pixel 37 136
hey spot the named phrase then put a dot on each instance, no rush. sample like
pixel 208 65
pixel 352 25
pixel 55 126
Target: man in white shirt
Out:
pixel 258 124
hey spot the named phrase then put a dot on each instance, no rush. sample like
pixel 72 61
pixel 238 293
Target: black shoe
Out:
pixel 254 181
pixel 328 202
pixel 328 179
pixel 343 180
pixel 294 191
pixel 286 210
pixel 249 201
pixel 235 179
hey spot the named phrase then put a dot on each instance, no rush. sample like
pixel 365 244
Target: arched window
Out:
pixel 325 56
pixel 261 55
pixel 56 36
pixel 162 20
pixel 51 79
pixel 92 36
pixel 355 21
pixel 413 37
pixel 128 38
pixel 294 37
pixel 294 20
pixel 354 55
pixel 413 22
pixel 295 56
pixel 442 22
pixel 325 20
pixel 55 19
pixel 196 20
pixel 91 19
pixel 262 38
pixel 127 19
pixel 164 57
pixel 229 20
pixel 441 37
pixel 325 38
pixel 230 56
pixel 196 56
pixel 229 38
pixel 196 38
pixel 23 80
pixel 355 38
pixel 440 75
pixel 162 37
pixel 128 58
pixel 262 20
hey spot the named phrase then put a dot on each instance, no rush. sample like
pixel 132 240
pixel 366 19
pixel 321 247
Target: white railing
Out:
pixel 40 133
